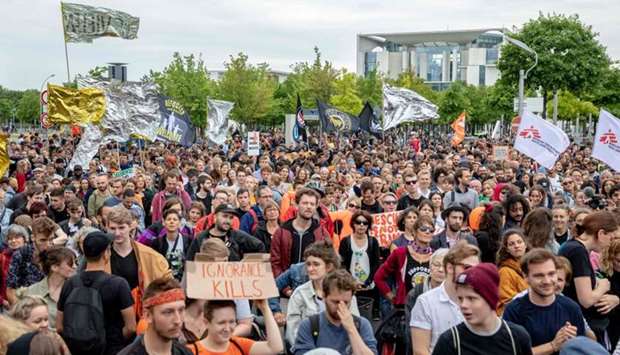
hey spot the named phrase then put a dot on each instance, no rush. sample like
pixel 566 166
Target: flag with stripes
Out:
pixel 459 130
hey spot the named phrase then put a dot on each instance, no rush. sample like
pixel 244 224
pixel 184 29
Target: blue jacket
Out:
pixel 247 221
pixel 295 276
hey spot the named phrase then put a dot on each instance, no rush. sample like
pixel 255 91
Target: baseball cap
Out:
pixel 484 279
pixel 226 208
pixel 96 243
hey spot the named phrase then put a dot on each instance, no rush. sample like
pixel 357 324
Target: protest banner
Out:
pixel 253 143
pixel 125 173
pixel 500 152
pixel 224 280
pixel 385 227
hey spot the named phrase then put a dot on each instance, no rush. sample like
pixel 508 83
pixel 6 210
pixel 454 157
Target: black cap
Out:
pixel 95 243
pixel 226 208
pixel 455 206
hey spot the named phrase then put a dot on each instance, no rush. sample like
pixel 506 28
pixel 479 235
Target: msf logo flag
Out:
pixel 606 146
pixel 540 140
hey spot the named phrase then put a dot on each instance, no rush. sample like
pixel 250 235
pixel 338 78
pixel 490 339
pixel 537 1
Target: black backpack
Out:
pixel 83 321
pixel 393 331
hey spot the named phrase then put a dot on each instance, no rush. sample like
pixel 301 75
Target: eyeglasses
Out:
pixel 361 222
pixel 389 202
pixel 352 205
pixel 411 182
pixel 427 229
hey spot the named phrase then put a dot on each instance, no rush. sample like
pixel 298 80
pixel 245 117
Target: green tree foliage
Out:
pixel 370 88
pixel 28 106
pixel 570 107
pixel 569 55
pixel 186 80
pixel 98 72
pixel 454 101
pixel 346 96
pixel 250 87
pixel 410 81
pixel 606 94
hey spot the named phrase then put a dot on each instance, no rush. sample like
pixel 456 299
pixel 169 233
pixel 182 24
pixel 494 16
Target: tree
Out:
pixel 570 107
pixel 569 55
pixel 370 88
pixel 186 80
pixel 28 106
pixel 250 87
pixel 97 72
pixel 606 94
pixel 454 101
pixel 411 81
pixel 346 97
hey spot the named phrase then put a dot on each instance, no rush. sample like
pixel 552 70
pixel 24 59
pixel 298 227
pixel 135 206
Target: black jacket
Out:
pixel 238 242
pixel 441 241
pixel 263 235
pixel 373 251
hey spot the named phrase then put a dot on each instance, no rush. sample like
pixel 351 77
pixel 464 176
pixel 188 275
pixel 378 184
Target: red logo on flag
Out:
pixel 609 138
pixel 530 133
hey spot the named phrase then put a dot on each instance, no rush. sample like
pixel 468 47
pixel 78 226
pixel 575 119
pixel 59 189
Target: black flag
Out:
pixel 334 120
pixel 299 131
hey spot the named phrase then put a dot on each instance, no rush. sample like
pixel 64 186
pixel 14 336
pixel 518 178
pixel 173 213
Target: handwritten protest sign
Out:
pixel 500 152
pixel 125 174
pixel 224 280
pixel 385 227
pixel 253 143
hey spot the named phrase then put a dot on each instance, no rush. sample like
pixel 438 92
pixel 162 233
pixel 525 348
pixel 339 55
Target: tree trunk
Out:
pixel 544 113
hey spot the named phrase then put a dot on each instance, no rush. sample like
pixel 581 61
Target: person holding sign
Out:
pixel 308 299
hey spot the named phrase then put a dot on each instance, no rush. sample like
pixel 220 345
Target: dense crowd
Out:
pixel 492 256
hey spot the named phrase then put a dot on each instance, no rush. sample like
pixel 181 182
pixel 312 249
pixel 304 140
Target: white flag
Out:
pixel 540 140
pixel 497 131
pixel 217 120
pixel 606 147
pixel 403 105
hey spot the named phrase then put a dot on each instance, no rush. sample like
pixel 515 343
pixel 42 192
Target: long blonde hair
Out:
pixel 608 255
pixel 10 329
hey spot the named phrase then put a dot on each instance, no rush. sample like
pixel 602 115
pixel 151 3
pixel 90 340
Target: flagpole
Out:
pixel 64 39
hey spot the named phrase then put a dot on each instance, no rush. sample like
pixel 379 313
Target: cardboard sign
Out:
pixel 224 280
pixel 253 143
pixel 125 173
pixel 385 227
pixel 500 152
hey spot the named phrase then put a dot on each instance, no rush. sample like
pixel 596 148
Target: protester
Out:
pixel 516 208
pixel 538 228
pixel 336 327
pixel 511 278
pixel 16 238
pixel 455 217
pixel 170 188
pixel 32 311
pixel 406 224
pixel 610 267
pixel 489 232
pixel 265 231
pixel 172 243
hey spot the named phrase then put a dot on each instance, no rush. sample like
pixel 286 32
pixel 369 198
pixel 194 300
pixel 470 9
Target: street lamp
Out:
pixel 45 81
pixel 522 74
pixel 40 93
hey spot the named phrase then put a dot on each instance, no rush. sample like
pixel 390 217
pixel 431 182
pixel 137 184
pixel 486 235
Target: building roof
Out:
pixel 418 38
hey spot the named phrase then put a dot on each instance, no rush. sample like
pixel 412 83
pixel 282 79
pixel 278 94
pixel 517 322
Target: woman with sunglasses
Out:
pixel 359 253
pixel 405 223
pixel 408 265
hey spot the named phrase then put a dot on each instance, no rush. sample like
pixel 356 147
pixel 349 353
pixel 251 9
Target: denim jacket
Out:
pixel 296 275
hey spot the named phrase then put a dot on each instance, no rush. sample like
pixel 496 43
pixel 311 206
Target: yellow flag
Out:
pixel 459 130
pixel 4 154
pixel 72 106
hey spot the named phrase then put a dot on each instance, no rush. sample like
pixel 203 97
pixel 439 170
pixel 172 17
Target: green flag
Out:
pixel 83 23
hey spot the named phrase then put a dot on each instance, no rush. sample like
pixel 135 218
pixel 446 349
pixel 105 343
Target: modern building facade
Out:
pixel 277 74
pixel 439 58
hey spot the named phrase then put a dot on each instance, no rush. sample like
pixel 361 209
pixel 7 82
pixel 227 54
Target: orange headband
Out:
pixel 173 295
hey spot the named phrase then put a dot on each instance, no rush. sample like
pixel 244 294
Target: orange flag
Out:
pixel 459 129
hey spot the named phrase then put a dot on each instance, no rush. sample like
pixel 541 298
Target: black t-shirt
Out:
pixel 206 201
pixel 58 216
pixel 300 243
pixel 474 344
pixel 126 267
pixel 407 201
pixel 372 209
pixel 415 272
pixel 115 296
pixel 137 348
pixel 579 259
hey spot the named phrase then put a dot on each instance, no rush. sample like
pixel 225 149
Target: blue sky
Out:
pixel 278 32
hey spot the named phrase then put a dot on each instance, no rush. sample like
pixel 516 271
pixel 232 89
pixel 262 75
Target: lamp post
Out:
pixel 522 74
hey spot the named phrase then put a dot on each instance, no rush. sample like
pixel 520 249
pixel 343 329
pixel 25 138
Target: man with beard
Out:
pixel 455 217
pixel 461 193
pixel 98 197
pixel 516 207
pixel 164 304
pixel 336 328
pixel 292 238
pixel 482 332
pixel 437 310
pixel 238 241
pixel 551 319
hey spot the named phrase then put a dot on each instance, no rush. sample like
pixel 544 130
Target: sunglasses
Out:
pixel 390 202
pixel 426 229
pixel 360 222
pixel 352 205
pixel 411 182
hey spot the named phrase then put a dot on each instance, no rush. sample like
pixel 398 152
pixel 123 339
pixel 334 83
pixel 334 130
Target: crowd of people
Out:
pixel 492 257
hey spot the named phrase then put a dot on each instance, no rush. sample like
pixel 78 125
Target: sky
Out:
pixel 278 32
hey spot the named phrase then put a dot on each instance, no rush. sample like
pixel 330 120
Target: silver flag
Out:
pixel 83 23
pixel 403 105
pixel 217 120
pixel 92 138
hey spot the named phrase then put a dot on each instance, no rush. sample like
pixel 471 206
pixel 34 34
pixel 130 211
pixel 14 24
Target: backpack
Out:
pixel 393 333
pixel 83 322
pixel 255 221
pixel 314 325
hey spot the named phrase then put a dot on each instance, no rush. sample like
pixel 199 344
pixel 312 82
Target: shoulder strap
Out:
pixel 512 339
pixel 456 340
pixel 314 327
pixel 196 348
pixel 452 196
pixel 236 345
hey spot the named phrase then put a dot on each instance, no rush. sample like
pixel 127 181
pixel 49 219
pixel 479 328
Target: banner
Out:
pixel 500 152
pixel 5 161
pixel 75 106
pixel 459 130
pixel 402 105
pixel 606 147
pixel 540 140
pixel 125 173
pixel 175 125
pixel 217 120
pixel 385 227
pixel 253 143
pixel 334 120
pixel 226 280
pixel 369 120
pixel 299 130
pixel 83 23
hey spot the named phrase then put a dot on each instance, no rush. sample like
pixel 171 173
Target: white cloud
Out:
pixel 279 32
